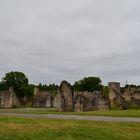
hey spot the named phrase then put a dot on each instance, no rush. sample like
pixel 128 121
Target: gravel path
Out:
pixel 74 117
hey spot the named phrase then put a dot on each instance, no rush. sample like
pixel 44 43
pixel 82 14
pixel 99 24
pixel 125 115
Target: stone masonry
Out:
pixel 8 99
pixel 42 99
pixel 64 98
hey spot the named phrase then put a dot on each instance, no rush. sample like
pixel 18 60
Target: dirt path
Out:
pixel 74 117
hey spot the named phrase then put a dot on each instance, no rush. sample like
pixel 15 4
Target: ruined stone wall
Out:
pixel 42 99
pixel 113 98
pixel 58 101
pixel 79 101
pixel 88 101
pixel 101 102
pixel 36 91
pixel 15 100
pixel 116 98
pixel 136 95
pixel 5 99
pixel 114 86
pixel 126 98
pixel 83 101
pixel 64 98
pixel 132 97
pixel 8 99
pixel 126 93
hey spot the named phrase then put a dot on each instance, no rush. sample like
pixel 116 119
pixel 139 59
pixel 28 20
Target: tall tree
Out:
pixel 19 82
pixel 88 84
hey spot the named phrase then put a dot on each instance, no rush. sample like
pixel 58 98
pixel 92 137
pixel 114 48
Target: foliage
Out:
pixel 19 82
pixel 52 87
pixel 132 86
pixel 3 86
pixel 15 79
pixel 88 84
pixel 105 90
pixel 43 87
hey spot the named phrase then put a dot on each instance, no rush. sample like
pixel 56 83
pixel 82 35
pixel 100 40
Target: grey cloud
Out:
pixel 55 40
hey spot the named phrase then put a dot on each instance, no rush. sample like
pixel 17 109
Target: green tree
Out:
pixel 88 84
pixel 19 82
pixel 52 87
pixel 105 90
pixel 3 86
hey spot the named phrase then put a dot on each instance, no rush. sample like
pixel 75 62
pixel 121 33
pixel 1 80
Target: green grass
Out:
pixel 114 113
pixel 13 128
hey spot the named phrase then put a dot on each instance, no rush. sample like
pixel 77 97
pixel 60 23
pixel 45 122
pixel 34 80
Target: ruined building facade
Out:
pixel 8 99
pixel 43 99
pixel 88 101
pixel 66 100
pixel 123 97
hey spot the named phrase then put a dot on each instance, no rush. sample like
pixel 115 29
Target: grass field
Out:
pixel 13 128
pixel 114 113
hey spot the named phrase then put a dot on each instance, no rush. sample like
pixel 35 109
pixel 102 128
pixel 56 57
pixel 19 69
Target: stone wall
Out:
pixel 83 102
pixel 88 101
pixel 127 97
pixel 64 98
pixel 101 102
pixel 8 99
pixel 114 86
pixel 5 99
pixel 115 96
pixel 132 96
pixel 79 101
pixel 42 99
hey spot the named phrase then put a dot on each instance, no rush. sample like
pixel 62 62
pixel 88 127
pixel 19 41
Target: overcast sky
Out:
pixel 54 40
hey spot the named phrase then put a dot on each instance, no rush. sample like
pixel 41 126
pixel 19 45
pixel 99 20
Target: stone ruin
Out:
pixel 82 102
pixel 123 97
pixel 67 100
pixel 88 101
pixel 43 99
pixel 64 98
pixel 101 101
pixel 8 99
pixel 115 97
pixel 132 96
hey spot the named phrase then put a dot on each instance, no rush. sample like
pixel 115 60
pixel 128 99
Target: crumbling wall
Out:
pixel 64 98
pixel 100 101
pixel 116 98
pixel 88 101
pixel 15 100
pixel 8 99
pixel 42 99
pixel 82 102
pixel 5 99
